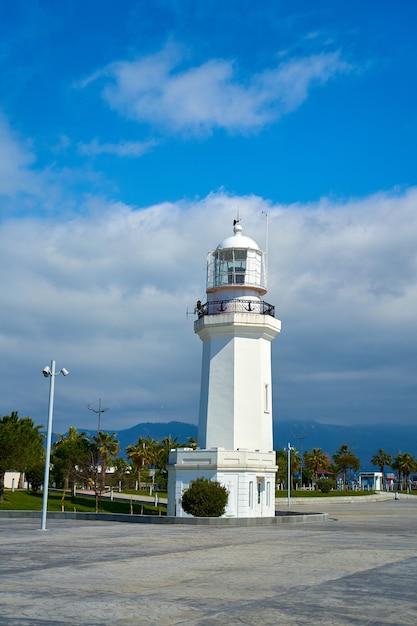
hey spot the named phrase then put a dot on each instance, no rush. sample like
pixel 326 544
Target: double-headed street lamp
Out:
pixel 49 372
pixel 98 412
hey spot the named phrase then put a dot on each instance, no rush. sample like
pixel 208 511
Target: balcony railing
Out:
pixel 217 307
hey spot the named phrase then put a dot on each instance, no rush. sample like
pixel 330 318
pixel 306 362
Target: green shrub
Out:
pixel 326 484
pixel 205 498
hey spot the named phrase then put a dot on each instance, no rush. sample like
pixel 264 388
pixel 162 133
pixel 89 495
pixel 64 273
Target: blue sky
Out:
pixel 131 134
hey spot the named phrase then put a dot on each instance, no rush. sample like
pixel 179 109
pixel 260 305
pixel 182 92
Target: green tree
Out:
pixel 121 474
pixel 205 498
pixel 107 448
pixel 316 460
pixel 35 476
pixel 345 459
pixel 404 464
pixel 21 446
pixel 70 454
pixel 382 460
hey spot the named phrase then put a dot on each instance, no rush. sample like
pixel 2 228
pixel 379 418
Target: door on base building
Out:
pixel 232 488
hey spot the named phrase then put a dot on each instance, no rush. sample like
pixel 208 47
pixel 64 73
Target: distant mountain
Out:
pixel 157 431
pixel 365 439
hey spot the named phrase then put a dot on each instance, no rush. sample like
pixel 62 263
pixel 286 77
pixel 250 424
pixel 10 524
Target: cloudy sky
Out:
pixel 132 133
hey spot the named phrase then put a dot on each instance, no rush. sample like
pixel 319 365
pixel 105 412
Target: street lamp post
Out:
pixel 98 412
pixel 289 448
pixel 49 372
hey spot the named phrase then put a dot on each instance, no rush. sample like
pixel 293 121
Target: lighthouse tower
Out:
pixel 236 328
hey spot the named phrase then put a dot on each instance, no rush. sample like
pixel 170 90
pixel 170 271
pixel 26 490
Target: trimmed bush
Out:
pixel 205 498
pixel 326 485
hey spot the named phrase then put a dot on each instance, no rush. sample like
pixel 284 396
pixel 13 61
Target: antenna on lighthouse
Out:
pixel 267 231
pixel 267 238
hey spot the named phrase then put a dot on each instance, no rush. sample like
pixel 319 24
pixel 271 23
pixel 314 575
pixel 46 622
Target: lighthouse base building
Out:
pixel 235 420
pixel 249 477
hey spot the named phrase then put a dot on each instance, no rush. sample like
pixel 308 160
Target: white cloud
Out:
pixel 16 158
pixel 25 188
pixel 121 149
pixel 106 294
pixel 159 90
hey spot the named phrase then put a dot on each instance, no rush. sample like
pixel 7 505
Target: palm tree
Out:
pixel 316 460
pixel 345 459
pixel 137 453
pixel 145 453
pixel 281 463
pixel 107 447
pixel 166 445
pixel 381 460
pixel 404 464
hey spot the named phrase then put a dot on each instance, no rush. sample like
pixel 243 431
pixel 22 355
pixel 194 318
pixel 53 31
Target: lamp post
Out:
pixel 289 448
pixel 49 372
pixel 98 412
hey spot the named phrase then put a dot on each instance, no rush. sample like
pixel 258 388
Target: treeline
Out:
pixel 94 461
pixel 313 465
pixel 86 461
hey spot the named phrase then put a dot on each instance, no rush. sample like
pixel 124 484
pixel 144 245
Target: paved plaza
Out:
pixel 357 568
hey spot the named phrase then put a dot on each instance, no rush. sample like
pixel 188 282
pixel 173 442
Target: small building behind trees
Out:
pixel 371 481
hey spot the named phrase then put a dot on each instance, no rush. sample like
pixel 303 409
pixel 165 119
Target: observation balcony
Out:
pixel 216 307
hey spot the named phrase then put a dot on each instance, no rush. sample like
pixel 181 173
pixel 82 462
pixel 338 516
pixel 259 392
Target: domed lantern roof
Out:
pixel 238 240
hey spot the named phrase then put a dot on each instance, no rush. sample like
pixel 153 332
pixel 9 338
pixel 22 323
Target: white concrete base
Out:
pixel 249 477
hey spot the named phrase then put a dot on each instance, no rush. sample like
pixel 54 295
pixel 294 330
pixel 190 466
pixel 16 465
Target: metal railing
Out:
pixel 216 307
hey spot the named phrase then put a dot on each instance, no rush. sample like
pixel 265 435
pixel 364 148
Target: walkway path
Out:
pixel 359 568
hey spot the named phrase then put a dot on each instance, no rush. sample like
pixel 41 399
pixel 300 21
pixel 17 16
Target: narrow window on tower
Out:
pixel 251 494
pixel 267 408
pixel 268 493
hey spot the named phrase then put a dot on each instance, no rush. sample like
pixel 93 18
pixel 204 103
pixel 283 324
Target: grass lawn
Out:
pixel 318 494
pixel 22 500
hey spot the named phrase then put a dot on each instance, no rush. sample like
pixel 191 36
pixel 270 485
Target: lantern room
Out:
pixel 237 263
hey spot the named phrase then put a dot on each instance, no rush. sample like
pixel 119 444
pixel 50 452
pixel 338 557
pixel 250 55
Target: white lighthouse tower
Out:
pixel 235 422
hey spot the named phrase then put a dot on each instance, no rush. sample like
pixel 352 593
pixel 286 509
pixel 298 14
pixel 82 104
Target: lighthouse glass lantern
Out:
pixel 236 262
